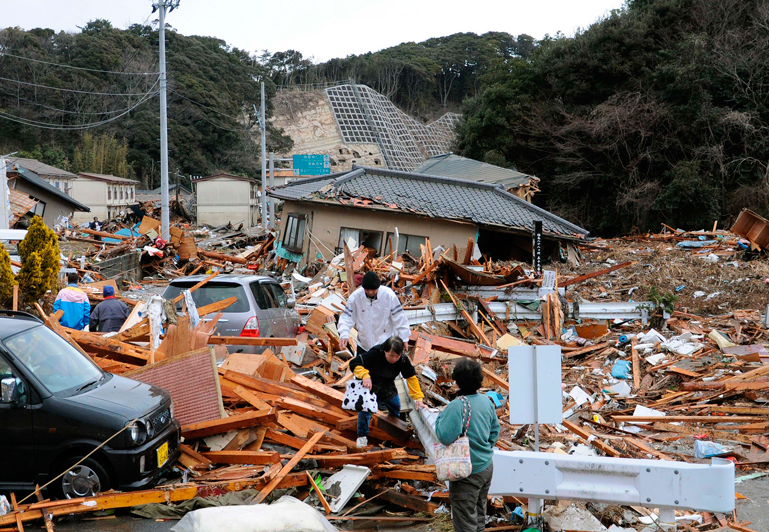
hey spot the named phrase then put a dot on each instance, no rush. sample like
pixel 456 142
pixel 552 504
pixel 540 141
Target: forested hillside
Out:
pixel 658 113
pixel 44 107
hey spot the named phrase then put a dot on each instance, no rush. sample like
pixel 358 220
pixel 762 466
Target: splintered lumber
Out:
pixel 597 273
pixel 238 421
pixel 321 498
pixel 454 346
pixel 187 450
pixel 327 393
pixel 636 364
pixel 297 443
pixel 196 286
pixel 251 398
pixel 686 419
pixel 243 457
pixel 103 502
pixel 383 427
pixel 217 306
pixel 411 502
pixel 238 340
pixel 349 269
pixel 287 468
pixel 221 256
pixel 369 458
pixel 586 350
pixel 586 434
pixel 477 331
pixel 278 390
pixel 105 234
pixel 139 330
pixel 110 347
pixel 310 411
pixel 499 381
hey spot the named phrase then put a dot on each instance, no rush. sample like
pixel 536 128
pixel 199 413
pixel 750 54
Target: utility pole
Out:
pixel 263 126
pixel 272 184
pixel 162 6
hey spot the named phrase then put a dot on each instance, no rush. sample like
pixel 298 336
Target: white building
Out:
pixel 106 195
pixel 56 177
pixel 227 198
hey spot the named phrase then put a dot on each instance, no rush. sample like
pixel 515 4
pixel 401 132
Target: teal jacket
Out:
pixel 483 431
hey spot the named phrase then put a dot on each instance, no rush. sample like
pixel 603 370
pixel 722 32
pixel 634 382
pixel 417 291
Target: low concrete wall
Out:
pixel 124 268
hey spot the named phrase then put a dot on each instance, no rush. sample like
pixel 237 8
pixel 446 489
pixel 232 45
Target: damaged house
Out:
pixel 381 208
pixel 31 194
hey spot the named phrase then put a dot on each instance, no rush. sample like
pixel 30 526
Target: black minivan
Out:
pixel 57 405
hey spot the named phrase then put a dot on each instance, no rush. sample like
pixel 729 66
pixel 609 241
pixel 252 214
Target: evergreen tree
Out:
pixel 7 279
pixel 32 283
pixel 44 243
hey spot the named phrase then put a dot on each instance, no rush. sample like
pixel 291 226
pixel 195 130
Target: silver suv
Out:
pixel 261 310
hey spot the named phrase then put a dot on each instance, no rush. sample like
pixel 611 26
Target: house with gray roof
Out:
pixel 449 165
pixel 381 208
pixel 47 200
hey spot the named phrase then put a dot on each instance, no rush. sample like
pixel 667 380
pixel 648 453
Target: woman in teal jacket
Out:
pixel 468 496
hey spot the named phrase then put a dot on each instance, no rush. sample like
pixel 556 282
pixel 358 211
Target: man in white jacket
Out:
pixel 376 312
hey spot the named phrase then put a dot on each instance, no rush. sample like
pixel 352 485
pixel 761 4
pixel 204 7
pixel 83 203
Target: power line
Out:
pixel 76 90
pixel 6 54
pixel 10 95
pixel 204 105
pixel 47 125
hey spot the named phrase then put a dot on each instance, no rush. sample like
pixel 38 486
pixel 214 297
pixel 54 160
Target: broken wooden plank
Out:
pixel 287 468
pixel 686 419
pixel 590 438
pixel 321 498
pixel 243 340
pixel 597 273
pixel 243 457
pixel 310 411
pixel 238 421
pixel 411 502
pixel 499 381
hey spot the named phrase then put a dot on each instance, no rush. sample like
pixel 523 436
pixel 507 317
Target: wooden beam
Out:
pixel 686 419
pixel 499 381
pixel 597 273
pixel 369 458
pixel 243 457
pixel 287 468
pixel 327 393
pixel 251 398
pixel 103 502
pixel 239 340
pixel 321 498
pixel 198 285
pixel 218 426
pixel 636 365
pixel 411 502
pixel 310 411
pixel 586 434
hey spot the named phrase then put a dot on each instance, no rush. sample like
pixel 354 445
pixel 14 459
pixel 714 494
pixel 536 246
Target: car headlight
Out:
pixel 150 429
pixel 138 432
pixel 172 409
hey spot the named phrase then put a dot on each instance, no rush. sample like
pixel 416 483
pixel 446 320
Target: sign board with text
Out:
pixel 311 164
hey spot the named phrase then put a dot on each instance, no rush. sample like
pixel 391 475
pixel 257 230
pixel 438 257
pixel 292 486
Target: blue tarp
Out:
pixel 128 231
pixel 695 243
pixel 293 257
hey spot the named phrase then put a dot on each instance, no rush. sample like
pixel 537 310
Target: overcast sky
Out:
pixel 323 29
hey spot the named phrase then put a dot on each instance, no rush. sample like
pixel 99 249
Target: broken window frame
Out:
pixel 403 244
pixel 362 236
pixel 293 239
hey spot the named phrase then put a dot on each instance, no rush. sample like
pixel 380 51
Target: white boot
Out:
pixel 362 442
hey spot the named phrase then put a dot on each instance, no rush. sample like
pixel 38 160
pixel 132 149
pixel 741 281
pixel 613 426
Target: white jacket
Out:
pixel 376 320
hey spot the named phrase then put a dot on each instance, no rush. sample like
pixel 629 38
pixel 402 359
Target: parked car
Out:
pixel 261 309
pixel 57 405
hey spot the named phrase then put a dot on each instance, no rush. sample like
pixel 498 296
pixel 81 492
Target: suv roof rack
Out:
pixel 19 314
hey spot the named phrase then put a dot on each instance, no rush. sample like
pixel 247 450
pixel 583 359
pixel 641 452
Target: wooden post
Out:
pixel 349 269
pixel 15 297
pixel 288 467
pixel 321 498
pixel 636 365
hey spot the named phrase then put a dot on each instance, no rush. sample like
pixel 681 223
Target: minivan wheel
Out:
pixel 86 479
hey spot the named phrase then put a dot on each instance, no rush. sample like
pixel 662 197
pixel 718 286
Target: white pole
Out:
pixel 164 199
pixel 272 184
pixel 5 203
pixel 263 126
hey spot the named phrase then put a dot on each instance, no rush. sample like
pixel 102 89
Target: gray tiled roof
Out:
pixel 434 196
pixel 31 177
pixel 33 165
pixel 450 165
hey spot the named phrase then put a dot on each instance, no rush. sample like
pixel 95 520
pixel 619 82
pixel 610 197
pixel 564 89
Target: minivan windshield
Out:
pixel 54 362
pixel 211 292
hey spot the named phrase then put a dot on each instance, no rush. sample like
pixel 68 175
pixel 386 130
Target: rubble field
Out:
pixel 663 346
